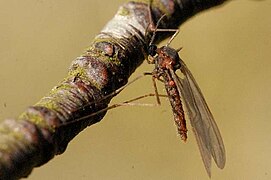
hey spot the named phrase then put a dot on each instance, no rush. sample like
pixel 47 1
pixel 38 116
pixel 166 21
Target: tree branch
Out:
pixel 45 129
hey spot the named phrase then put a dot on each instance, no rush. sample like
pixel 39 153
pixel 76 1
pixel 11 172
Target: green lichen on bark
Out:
pixel 123 11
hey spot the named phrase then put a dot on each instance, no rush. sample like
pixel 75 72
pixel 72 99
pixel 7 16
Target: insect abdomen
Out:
pixel 176 103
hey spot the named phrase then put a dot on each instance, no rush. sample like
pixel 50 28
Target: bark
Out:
pixel 45 129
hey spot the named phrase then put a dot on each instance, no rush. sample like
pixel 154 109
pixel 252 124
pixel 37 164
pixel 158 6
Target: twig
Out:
pixel 44 130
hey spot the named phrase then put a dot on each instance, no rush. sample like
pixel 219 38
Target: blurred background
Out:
pixel 228 49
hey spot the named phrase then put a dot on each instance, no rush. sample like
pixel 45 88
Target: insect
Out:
pixel 185 90
pixel 181 90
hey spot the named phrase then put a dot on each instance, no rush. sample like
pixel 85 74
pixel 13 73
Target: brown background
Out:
pixel 228 49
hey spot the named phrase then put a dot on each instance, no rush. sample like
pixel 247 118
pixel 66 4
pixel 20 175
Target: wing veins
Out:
pixel 208 137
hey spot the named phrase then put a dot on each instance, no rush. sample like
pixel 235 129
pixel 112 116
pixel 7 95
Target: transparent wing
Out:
pixel 202 121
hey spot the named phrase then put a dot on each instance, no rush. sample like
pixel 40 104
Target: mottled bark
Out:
pixel 45 129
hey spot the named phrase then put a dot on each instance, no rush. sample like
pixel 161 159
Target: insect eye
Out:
pixel 152 50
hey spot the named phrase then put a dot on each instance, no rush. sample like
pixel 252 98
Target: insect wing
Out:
pixel 204 127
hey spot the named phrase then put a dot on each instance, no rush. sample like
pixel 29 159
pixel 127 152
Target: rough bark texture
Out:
pixel 45 129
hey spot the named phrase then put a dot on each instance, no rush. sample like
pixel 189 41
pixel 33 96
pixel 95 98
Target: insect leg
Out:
pixel 169 30
pixel 156 91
